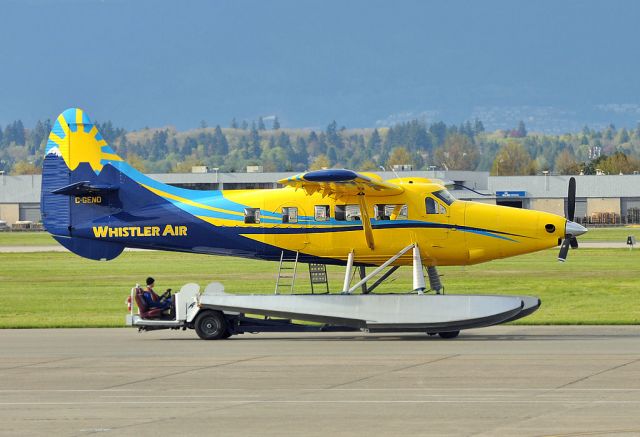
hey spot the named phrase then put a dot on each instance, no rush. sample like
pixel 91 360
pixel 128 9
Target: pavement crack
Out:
pixel 597 373
pixel 391 371
pixel 194 369
pixel 22 366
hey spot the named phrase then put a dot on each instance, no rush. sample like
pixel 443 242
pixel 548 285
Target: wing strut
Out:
pixel 366 221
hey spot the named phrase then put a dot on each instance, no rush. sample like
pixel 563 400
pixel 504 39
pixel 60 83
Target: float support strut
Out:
pixel 347 274
pixel 363 274
pixel 418 276
pixel 377 270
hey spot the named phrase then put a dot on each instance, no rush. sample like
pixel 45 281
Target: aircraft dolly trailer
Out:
pixel 215 314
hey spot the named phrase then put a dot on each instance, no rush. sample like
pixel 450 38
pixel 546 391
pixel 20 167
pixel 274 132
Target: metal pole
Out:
pixel 347 274
pixel 382 278
pixel 418 276
pixel 363 274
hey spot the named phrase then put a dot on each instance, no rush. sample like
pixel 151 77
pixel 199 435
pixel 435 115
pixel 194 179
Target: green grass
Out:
pixel 26 239
pixel 595 286
pixel 611 234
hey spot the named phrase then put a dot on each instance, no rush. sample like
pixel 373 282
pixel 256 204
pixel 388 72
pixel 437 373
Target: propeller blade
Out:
pixel 574 242
pixel 564 250
pixel 571 199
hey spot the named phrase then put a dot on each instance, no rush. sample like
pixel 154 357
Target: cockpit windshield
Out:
pixel 445 196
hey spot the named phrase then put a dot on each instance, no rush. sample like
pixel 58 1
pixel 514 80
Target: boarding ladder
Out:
pixel 287 271
pixel 318 276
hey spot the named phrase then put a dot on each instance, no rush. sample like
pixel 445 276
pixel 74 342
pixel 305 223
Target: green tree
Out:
pixel 332 134
pixel 512 160
pixel 400 156
pixel 566 163
pixel 619 163
pixel 137 162
pixel 261 125
pixel 320 162
pixel 276 123
pixel 332 155
pixel 368 165
pixel 221 145
pixel 622 136
pixel 375 142
pixel 478 127
pixel 24 167
pixel 457 153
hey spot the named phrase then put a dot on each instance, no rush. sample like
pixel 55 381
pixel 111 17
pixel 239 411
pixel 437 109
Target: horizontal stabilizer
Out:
pixel 84 188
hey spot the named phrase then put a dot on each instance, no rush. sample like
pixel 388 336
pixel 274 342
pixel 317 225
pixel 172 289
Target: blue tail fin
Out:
pixel 75 190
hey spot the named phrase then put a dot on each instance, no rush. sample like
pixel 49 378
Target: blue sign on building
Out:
pixel 511 194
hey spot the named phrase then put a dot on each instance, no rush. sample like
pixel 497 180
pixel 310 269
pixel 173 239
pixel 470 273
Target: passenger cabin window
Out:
pixel 348 213
pixel 290 214
pixel 252 215
pixel 321 213
pixel 434 207
pixel 390 212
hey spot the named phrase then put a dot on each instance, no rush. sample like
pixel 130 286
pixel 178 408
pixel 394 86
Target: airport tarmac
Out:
pixel 499 381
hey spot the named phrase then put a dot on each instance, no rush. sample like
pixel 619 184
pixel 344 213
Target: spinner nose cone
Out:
pixel 573 228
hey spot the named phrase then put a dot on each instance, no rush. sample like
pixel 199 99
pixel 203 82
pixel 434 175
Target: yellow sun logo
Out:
pixel 78 140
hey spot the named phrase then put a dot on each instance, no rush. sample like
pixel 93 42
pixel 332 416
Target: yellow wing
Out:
pixel 339 182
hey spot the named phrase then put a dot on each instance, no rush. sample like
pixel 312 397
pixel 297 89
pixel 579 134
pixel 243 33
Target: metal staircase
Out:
pixel 287 271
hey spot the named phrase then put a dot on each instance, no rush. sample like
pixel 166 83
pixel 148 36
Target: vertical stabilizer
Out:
pixel 74 190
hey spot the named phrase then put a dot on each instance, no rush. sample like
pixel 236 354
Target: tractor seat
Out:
pixel 144 310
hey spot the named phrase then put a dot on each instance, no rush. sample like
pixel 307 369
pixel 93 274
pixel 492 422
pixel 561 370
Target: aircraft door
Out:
pixel 436 215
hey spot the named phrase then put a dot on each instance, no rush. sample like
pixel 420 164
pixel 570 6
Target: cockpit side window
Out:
pixel 434 207
pixel 445 196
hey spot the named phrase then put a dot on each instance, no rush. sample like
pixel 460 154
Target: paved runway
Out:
pixel 501 381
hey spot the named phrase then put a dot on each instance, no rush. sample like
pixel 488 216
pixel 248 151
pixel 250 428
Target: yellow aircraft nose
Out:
pixel 500 231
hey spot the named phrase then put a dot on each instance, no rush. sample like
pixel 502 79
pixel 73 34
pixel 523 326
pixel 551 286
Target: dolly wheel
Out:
pixel 449 334
pixel 211 325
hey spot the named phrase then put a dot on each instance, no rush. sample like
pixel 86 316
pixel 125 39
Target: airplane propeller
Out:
pixel 572 229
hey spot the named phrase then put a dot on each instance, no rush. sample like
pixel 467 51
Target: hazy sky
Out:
pixel 360 62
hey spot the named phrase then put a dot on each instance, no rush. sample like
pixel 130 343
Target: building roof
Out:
pixel 556 186
pixel 26 188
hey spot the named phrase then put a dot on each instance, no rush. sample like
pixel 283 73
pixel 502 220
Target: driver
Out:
pixel 152 299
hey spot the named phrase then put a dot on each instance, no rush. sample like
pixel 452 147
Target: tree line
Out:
pixel 421 145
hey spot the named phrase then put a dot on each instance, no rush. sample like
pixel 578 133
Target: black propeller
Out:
pixel 572 229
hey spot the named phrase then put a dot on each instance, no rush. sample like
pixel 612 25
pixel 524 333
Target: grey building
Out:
pixel 599 198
